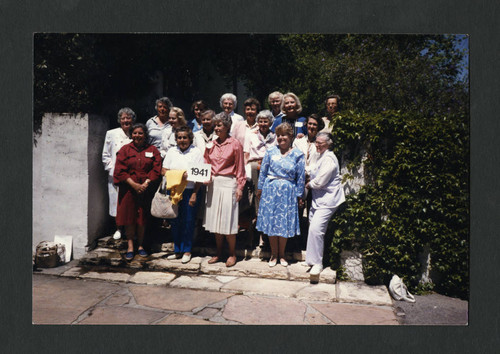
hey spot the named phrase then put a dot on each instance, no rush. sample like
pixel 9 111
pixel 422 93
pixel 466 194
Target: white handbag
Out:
pixel 398 290
pixel 161 206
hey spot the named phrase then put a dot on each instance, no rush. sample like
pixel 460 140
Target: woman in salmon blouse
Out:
pixel 224 191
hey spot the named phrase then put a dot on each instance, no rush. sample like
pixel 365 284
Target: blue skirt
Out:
pixel 278 210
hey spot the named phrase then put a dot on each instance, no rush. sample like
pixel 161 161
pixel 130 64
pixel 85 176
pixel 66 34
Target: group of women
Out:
pixel 284 158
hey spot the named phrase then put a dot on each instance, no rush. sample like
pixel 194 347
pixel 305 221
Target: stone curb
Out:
pixel 344 292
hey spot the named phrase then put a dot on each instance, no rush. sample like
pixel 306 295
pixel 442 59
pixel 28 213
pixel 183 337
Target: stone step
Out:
pixel 251 263
pixel 107 245
pixel 244 252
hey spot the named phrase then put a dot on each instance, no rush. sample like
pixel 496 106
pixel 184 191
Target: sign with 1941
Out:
pixel 199 172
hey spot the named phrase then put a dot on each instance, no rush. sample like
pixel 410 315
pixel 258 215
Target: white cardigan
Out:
pixel 114 140
pixel 326 186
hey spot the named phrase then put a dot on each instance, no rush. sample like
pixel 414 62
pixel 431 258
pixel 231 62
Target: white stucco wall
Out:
pixel 61 178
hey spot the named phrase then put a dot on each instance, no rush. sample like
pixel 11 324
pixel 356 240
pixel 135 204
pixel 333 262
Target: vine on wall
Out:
pixel 417 194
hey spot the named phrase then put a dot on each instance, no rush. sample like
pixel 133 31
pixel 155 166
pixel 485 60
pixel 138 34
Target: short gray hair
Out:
pixel 274 94
pixel 208 112
pixel 165 100
pixel 127 111
pixel 328 139
pixel 228 96
pixel 265 114
pixel 224 118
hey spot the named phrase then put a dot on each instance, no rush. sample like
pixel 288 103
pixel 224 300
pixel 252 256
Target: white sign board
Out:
pixel 67 241
pixel 199 172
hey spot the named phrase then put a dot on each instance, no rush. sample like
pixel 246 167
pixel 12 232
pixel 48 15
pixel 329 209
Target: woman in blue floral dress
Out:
pixel 281 185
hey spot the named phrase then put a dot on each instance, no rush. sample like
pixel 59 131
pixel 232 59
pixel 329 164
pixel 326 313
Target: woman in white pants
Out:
pixel 327 195
pixel 114 140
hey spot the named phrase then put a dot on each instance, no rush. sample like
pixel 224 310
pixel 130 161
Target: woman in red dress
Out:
pixel 138 164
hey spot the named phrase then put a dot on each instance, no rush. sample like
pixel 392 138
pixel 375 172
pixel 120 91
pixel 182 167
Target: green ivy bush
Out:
pixel 416 195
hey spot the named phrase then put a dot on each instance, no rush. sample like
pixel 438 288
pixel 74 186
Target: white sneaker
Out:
pixel 174 256
pixel 117 235
pixel 314 273
pixel 316 269
pixel 283 262
pixel 186 258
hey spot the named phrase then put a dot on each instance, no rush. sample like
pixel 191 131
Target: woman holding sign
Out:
pixel 225 189
pixel 183 157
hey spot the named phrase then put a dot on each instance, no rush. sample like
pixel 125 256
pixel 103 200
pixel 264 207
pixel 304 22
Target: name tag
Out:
pixel 199 172
pixel 148 154
pixel 299 124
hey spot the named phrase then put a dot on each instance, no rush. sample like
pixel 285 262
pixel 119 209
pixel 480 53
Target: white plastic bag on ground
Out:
pixel 398 290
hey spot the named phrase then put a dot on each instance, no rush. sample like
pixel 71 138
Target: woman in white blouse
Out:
pixel 256 145
pixel 182 157
pixel 327 195
pixel 114 140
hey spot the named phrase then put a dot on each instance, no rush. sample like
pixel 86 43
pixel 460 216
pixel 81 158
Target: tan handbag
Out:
pixel 161 206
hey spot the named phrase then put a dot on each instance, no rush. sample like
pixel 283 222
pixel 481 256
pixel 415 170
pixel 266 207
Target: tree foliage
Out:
pixel 262 62
pixel 66 74
pixel 373 73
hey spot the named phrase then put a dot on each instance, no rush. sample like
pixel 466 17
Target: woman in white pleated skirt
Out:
pixel 225 155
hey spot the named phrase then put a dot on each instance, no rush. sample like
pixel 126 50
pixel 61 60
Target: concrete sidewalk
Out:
pixel 77 295
pixel 102 287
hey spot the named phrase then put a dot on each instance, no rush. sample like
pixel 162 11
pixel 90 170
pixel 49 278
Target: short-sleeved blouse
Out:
pixel 256 144
pixel 156 131
pixel 226 159
pixel 175 159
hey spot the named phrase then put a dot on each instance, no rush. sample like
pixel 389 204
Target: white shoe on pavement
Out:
pixel 117 235
pixel 174 256
pixel 283 262
pixel 185 258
